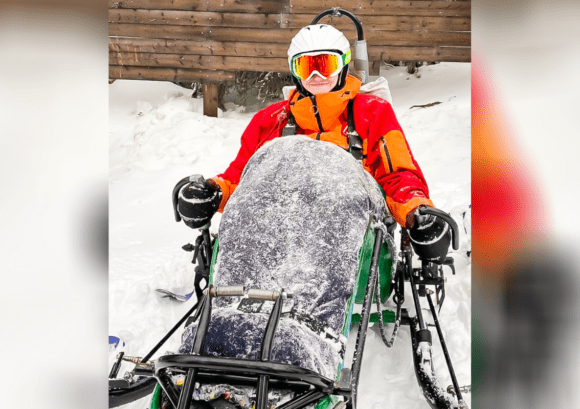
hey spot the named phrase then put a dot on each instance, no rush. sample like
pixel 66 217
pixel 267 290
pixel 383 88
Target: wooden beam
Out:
pixel 435 54
pixel 283 36
pixel 385 7
pixel 210 99
pixel 242 20
pixel 182 47
pixel 163 46
pixel 231 6
pixel 168 74
pixel 199 62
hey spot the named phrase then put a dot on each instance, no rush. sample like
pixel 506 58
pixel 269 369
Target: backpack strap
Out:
pixel 354 139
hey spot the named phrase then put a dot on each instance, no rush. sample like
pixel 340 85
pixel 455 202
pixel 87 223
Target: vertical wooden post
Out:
pixel 210 99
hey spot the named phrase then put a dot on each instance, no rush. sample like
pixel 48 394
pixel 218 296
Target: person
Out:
pixel 318 107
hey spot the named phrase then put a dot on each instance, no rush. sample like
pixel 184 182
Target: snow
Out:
pixel 158 135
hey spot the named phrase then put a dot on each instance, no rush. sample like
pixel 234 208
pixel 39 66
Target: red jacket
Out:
pixel 387 156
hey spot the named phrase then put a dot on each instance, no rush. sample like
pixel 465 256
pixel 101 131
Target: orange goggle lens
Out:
pixel 326 64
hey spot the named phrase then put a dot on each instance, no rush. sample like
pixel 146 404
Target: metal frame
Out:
pixel 308 386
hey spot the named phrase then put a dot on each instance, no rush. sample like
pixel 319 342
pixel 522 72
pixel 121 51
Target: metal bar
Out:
pixel 167 386
pixel 262 392
pixel 247 367
pixel 116 366
pixel 186 394
pixel 266 351
pixel 444 347
pixel 303 400
pixel 414 292
pixel 199 340
pixel 170 333
pixel 365 315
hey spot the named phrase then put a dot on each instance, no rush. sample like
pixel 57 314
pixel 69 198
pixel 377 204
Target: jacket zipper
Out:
pixel 388 155
pixel 316 113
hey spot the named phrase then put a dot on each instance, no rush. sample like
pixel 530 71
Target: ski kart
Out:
pixel 305 237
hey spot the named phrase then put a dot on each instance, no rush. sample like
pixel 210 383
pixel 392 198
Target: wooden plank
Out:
pixel 449 54
pixel 283 36
pixel 199 62
pixel 168 74
pixel 191 18
pixel 379 22
pixel 241 20
pixel 376 53
pixel 231 6
pixel 384 7
pixel 210 99
pixel 163 46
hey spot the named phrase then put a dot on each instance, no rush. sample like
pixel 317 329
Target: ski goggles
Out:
pixel 324 63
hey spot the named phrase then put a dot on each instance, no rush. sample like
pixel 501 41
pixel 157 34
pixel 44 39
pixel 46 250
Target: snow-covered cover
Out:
pixel 295 222
pixel 158 135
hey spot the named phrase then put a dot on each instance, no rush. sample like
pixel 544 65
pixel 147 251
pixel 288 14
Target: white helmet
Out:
pixel 319 37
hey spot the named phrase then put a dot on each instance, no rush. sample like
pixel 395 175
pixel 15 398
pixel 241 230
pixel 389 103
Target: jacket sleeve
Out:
pixel 228 181
pixel 393 166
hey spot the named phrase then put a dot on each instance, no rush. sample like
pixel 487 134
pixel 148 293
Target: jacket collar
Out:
pixel 321 113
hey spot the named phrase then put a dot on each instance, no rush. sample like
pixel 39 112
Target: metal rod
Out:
pixel 165 382
pixel 355 20
pixel 365 315
pixel 186 394
pixel 262 392
pixel 199 340
pixel 414 291
pixel 116 366
pixel 266 351
pixel 303 400
pixel 444 347
pixel 248 367
pixel 170 333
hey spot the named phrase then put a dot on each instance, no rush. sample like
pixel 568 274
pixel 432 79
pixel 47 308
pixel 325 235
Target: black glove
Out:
pixel 196 200
pixel 430 236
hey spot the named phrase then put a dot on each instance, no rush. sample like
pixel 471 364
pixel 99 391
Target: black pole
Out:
pixel 187 391
pixel 365 315
pixel 444 347
pixel 165 382
pixel 186 394
pixel 170 333
pixel 303 400
pixel 266 352
pixel 116 366
pixel 414 291
pixel 199 340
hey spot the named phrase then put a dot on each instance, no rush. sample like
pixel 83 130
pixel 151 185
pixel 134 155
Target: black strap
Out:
pixel 354 139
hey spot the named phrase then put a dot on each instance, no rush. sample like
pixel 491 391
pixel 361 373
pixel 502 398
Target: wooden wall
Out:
pixel 208 40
